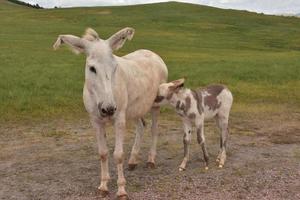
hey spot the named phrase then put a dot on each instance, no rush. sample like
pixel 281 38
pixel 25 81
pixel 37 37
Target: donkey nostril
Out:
pixel 103 110
pixel 110 110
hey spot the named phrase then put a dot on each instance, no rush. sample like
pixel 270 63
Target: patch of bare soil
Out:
pixel 59 160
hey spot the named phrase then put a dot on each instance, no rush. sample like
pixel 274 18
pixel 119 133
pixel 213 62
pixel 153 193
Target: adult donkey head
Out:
pixel 100 66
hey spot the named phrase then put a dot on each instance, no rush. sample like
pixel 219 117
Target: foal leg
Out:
pixel 103 152
pixel 154 132
pixel 120 129
pixel 201 140
pixel 222 122
pixel 220 150
pixel 140 125
pixel 187 128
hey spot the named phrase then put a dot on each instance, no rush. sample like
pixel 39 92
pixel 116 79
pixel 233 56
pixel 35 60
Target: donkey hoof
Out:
pixel 123 197
pixel 206 168
pixel 103 193
pixel 220 166
pixel 151 165
pixel 181 169
pixel 131 167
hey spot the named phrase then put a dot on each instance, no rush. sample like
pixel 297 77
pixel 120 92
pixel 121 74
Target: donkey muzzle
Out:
pixel 106 111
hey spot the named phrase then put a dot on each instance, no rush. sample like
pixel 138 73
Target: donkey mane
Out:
pixel 90 34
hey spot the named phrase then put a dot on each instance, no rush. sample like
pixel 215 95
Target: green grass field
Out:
pixel 257 56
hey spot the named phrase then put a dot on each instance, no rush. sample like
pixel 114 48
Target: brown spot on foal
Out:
pixel 211 100
pixel 177 105
pixel 215 90
pixel 199 138
pixel 198 97
pixel 192 116
pixel 159 99
pixel 187 104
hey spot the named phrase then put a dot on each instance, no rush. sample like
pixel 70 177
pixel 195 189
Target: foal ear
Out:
pixel 177 84
pixel 77 44
pixel 117 40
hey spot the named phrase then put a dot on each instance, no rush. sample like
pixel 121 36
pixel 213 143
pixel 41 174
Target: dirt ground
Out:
pixel 59 160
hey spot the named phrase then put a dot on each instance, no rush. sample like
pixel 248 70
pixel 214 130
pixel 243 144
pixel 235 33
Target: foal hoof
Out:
pixel 131 167
pixel 123 197
pixel 103 193
pixel 220 166
pixel 206 168
pixel 151 165
pixel 181 169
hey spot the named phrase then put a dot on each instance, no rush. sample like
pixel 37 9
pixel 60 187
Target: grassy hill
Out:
pixel 257 56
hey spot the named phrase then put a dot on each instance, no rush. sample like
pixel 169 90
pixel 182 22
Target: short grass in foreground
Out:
pixel 256 55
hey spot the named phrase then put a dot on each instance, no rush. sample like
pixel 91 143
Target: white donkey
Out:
pixel 194 106
pixel 117 89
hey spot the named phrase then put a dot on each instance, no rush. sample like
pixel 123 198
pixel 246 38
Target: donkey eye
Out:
pixel 92 69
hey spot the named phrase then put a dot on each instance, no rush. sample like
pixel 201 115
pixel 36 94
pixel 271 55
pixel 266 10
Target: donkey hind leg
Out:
pixel 187 128
pixel 133 160
pixel 222 122
pixel 154 132
pixel 202 143
pixel 103 152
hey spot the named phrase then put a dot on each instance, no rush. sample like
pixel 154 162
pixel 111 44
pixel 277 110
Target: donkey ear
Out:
pixel 77 44
pixel 177 84
pixel 117 40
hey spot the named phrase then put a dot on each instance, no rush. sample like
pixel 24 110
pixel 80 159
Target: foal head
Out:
pixel 170 92
pixel 101 65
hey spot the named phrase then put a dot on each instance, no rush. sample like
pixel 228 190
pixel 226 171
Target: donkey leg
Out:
pixel 103 152
pixel 154 131
pixel 201 141
pixel 187 127
pixel 120 129
pixel 222 122
pixel 133 160
pixel 220 150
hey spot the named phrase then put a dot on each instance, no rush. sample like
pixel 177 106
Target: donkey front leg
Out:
pixel 201 140
pixel 103 151
pixel 154 131
pixel 133 160
pixel 120 129
pixel 187 128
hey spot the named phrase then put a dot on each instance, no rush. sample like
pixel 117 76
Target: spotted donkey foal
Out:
pixel 213 101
